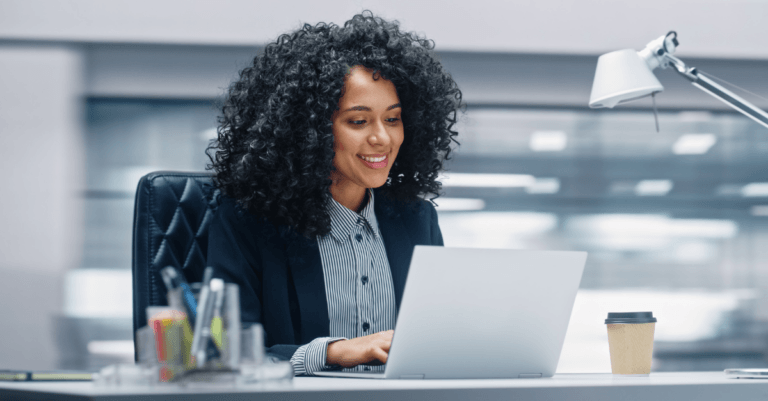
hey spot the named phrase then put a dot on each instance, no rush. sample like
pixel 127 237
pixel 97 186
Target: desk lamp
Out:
pixel 626 75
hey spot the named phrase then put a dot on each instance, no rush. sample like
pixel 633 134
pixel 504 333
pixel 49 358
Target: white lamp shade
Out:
pixel 622 76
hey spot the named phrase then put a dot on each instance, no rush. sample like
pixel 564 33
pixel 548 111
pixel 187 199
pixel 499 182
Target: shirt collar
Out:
pixel 344 220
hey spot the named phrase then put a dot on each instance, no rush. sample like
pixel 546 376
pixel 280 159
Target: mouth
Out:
pixel 374 161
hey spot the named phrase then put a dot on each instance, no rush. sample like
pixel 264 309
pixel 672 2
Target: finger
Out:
pixel 385 343
pixel 380 354
pixel 385 334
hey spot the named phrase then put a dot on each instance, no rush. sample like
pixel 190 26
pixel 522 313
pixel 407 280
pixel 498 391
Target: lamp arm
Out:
pixel 707 85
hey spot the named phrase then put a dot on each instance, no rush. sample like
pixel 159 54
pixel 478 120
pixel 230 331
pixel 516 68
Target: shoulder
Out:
pixel 229 212
pixel 416 219
pixel 236 219
pixel 418 211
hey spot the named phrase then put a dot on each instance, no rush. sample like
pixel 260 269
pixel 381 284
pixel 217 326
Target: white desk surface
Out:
pixel 700 386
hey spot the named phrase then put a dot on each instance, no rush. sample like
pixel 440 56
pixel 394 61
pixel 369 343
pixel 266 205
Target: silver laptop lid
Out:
pixel 484 313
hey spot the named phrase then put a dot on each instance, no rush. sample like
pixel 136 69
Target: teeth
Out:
pixel 373 159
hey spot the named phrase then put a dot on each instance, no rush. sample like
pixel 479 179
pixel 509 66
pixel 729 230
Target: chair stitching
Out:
pixel 150 277
pixel 187 183
pixel 202 222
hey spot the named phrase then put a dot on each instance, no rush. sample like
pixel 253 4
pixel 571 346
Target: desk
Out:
pixel 700 386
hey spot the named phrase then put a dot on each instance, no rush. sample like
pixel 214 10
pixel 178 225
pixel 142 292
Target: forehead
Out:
pixel 360 89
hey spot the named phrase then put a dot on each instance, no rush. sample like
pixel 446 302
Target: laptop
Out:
pixel 470 313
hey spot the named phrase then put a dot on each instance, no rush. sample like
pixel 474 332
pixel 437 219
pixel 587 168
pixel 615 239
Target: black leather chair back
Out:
pixel 170 227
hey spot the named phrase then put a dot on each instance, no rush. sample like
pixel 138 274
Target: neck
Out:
pixel 351 197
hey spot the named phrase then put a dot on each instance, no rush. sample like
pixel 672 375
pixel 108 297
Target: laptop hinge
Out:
pixel 529 375
pixel 411 377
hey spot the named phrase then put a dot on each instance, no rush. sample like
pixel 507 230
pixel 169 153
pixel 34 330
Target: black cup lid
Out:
pixel 630 318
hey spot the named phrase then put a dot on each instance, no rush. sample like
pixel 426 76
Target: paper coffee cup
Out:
pixel 630 340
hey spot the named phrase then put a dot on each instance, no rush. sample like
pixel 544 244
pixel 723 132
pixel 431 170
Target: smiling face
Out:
pixel 367 132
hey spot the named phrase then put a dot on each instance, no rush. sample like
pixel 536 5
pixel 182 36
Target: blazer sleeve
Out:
pixel 234 254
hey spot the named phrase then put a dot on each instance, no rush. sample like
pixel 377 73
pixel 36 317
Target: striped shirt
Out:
pixel 358 285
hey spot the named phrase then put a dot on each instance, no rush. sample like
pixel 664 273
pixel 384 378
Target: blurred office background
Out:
pixel 95 94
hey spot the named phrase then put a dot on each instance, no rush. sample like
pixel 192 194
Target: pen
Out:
pixel 202 345
pixel 174 280
pixel 204 296
pixel 157 327
pixel 53 375
pixel 217 326
pixel 207 276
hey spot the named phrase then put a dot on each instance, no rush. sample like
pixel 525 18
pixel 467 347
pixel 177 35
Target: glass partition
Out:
pixel 674 222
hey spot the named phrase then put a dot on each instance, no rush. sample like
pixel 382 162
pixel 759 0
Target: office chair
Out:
pixel 170 227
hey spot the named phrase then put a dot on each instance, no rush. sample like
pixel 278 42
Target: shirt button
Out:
pixel 358 237
pixel 366 326
pixel 364 279
pixel 359 220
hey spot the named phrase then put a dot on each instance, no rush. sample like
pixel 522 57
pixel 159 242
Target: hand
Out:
pixel 349 353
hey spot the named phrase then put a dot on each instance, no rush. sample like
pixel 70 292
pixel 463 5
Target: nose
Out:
pixel 379 135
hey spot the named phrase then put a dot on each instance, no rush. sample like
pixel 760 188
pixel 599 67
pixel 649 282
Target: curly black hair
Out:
pixel 274 152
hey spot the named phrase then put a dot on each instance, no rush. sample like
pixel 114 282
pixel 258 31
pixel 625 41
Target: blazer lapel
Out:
pixel 397 242
pixel 307 272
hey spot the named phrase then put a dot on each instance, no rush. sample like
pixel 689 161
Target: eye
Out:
pixel 357 122
pixel 393 120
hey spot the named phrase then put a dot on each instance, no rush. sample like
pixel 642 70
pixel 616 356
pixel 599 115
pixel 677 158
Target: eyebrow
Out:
pixel 366 108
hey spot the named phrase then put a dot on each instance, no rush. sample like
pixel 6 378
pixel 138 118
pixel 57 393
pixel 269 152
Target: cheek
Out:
pixel 400 139
pixel 338 146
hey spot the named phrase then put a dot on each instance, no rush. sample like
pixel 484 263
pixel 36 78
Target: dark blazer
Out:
pixel 280 274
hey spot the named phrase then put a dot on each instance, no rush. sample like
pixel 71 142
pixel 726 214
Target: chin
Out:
pixel 377 183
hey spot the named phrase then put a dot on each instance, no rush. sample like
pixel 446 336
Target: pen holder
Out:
pixel 218 348
pixel 230 354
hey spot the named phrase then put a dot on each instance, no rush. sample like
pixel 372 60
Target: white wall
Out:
pixel 40 213
pixel 707 28
pixel 155 71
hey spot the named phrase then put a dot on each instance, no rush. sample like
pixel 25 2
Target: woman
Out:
pixel 327 144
